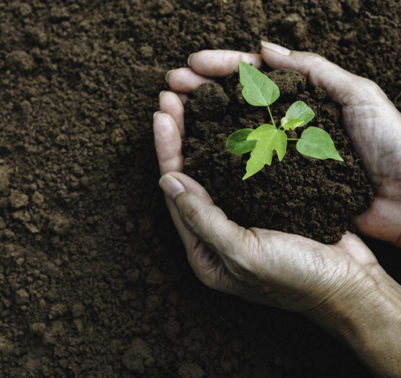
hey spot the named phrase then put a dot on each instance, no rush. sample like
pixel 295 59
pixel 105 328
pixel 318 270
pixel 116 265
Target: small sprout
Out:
pixel 261 142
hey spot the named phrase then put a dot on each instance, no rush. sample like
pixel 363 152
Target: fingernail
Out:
pixel 276 48
pixel 161 93
pixel 189 59
pixel 168 74
pixel 156 113
pixel 171 186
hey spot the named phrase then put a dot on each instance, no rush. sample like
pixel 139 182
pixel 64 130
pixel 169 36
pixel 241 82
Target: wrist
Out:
pixel 367 317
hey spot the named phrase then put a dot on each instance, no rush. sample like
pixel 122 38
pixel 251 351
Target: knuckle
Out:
pixel 226 58
pixel 247 58
pixel 191 214
pixel 368 89
pixel 250 241
pixel 261 247
pixel 371 86
pixel 204 272
pixel 247 261
pixel 206 277
pixel 242 57
pixel 316 59
pixel 314 65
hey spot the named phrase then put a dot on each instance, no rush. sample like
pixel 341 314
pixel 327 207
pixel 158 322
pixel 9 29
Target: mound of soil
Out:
pixel 301 195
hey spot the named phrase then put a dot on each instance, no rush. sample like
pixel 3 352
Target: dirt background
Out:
pixel 93 279
pixel 300 195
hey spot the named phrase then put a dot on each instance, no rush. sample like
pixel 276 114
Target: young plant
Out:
pixel 259 90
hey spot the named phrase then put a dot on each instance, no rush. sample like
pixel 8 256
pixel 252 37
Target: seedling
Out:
pixel 261 142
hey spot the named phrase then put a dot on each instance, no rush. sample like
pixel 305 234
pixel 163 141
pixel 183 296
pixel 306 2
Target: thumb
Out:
pixel 203 218
pixel 341 85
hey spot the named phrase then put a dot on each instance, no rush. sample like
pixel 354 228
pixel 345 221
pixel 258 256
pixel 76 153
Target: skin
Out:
pixel 341 287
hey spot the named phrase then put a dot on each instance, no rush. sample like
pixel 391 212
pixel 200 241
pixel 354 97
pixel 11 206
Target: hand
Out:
pixel 371 120
pixel 268 266
pixel 374 125
pixel 271 267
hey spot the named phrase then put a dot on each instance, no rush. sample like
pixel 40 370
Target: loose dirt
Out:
pixel 94 280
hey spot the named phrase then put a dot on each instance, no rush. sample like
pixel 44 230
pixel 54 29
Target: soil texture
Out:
pixel 310 197
pixel 94 279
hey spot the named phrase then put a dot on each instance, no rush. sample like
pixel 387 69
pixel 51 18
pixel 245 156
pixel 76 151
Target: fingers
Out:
pixel 170 103
pixel 341 85
pixel 185 80
pixel 382 221
pixel 216 63
pixel 168 125
pixel 205 263
pixel 183 97
pixel 213 63
pixel 189 240
pixel 202 260
pixel 357 248
pixel 203 218
pixel 167 143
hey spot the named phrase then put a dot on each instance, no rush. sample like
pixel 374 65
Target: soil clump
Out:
pixel 309 197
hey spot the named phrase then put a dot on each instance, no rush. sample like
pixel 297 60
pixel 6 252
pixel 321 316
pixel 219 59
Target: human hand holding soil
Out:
pixel 374 125
pixel 325 282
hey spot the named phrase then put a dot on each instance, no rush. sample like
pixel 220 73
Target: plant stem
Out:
pixel 292 138
pixel 268 108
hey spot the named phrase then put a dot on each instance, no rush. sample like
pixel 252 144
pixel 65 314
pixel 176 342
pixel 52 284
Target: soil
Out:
pixel 313 198
pixel 94 280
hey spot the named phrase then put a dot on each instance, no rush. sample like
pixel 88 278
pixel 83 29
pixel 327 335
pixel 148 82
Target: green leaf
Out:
pixel 317 143
pixel 258 89
pixel 291 124
pixel 299 110
pixel 269 139
pixel 237 143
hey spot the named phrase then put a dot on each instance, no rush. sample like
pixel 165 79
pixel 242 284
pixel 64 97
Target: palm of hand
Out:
pixel 295 273
pixel 265 266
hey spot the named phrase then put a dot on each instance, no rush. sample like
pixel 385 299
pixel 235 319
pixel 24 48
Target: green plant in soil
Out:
pixel 259 90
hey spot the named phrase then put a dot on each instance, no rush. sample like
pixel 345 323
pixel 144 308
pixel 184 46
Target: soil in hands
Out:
pixel 301 195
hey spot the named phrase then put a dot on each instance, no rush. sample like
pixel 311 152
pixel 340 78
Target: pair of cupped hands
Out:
pixel 270 267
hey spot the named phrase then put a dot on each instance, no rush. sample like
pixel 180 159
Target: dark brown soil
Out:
pixel 313 198
pixel 94 280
